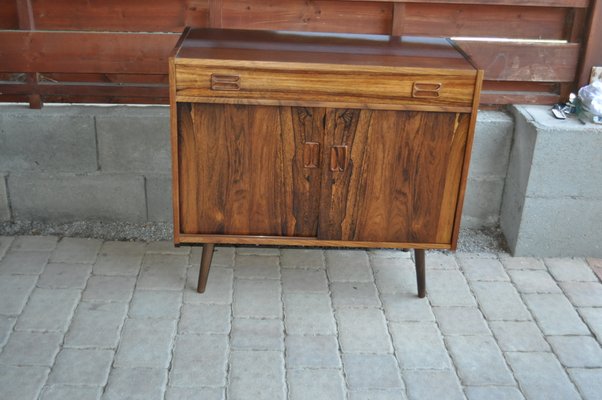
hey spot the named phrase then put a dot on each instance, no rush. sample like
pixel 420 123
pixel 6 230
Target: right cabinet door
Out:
pixel 391 176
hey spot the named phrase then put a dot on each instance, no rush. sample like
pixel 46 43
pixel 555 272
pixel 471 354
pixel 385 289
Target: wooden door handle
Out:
pixel 338 158
pixel 225 82
pixel 311 155
pixel 426 89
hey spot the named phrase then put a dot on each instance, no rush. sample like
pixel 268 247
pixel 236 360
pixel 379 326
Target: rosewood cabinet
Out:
pixel 319 140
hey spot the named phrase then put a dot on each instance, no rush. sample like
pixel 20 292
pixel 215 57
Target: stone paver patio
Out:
pixel 86 319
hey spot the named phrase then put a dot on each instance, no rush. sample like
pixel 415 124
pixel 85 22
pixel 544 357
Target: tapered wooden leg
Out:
pixel 420 272
pixel 205 265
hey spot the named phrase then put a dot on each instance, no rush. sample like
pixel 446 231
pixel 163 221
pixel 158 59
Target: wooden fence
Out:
pixel 115 51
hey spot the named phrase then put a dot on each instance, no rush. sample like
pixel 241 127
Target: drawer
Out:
pixel 438 89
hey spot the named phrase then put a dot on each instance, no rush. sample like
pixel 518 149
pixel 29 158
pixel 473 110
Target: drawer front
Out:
pixel 314 86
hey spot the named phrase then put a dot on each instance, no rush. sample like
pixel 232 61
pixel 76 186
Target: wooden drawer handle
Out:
pixel 225 82
pixel 426 89
pixel 311 155
pixel 338 158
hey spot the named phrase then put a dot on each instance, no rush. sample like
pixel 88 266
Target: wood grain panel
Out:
pixel 241 170
pixel 536 62
pixel 445 20
pixel 302 15
pixel 538 3
pixel 123 16
pixel 9 18
pixel 85 52
pixel 396 182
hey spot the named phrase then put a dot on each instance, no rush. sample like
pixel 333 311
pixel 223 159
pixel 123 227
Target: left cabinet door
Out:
pixel 249 170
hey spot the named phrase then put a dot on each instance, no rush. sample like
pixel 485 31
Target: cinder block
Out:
pixel 134 139
pixel 4 205
pixel 158 198
pixel 491 147
pixel 560 227
pixel 54 139
pixel 67 197
pixel 482 202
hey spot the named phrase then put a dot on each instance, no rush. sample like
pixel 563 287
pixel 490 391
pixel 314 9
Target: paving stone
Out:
pixel 510 262
pixel 433 385
pixel 555 315
pixel 363 331
pixel 446 281
pixel 257 334
pixel 24 262
pixel 6 327
pixel 348 266
pixel 163 272
pixel 138 348
pixel 258 250
pixel 312 352
pixel 96 325
pixel 577 351
pixel 371 371
pixel 34 243
pixel 31 348
pixel 302 258
pixel 583 294
pixel 49 310
pixel 493 393
pixel 594 262
pixel 483 269
pixel 14 292
pixel 534 281
pixel 218 289
pixel 200 360
pixel 570 270
pixel 109 288
pixel 593 318
pixel 518 336
pixel 389 253
pixel 450 298
pixel 461 321
pixel 589 382
pixel 257 267
pixel 205 318
pixel 257 298
pixel 439 260
pixel 540 376
pixel 402 307
pixel 375 394
pixel 311 384
pixel 304 280
pixel 156 304
pixel 178 393
pixel 394 275
pixel 5 244
pixel 82 367
pixel 419 345
pixel 308 314
pixel 479 360
pixel 76 251
pixel 500 301
pixel 256 375
pixel 167 247
pixel 67 392
pixel 21 383
pixel 65 276
pixel 136 383
pixel 119 258
pixel 354 294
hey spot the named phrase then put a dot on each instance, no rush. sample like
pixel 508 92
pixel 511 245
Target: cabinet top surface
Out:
pixel 243 46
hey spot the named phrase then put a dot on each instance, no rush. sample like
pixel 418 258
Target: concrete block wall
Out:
pixel 552 203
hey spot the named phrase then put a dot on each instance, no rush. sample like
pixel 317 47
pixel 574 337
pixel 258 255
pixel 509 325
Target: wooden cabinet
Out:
pixel 319 140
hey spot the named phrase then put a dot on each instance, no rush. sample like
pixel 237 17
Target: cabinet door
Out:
pixel 393 176
pixel 249 170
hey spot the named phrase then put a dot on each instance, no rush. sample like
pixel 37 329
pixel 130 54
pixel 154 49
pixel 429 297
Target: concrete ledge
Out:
pixel 552 201
pixel 69 197
pixel 4 205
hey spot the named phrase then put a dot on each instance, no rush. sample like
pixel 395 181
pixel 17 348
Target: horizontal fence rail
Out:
pixel 114 51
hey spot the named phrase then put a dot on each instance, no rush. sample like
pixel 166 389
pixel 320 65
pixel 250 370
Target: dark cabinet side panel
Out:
pixel 248 170
pixel 394 175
